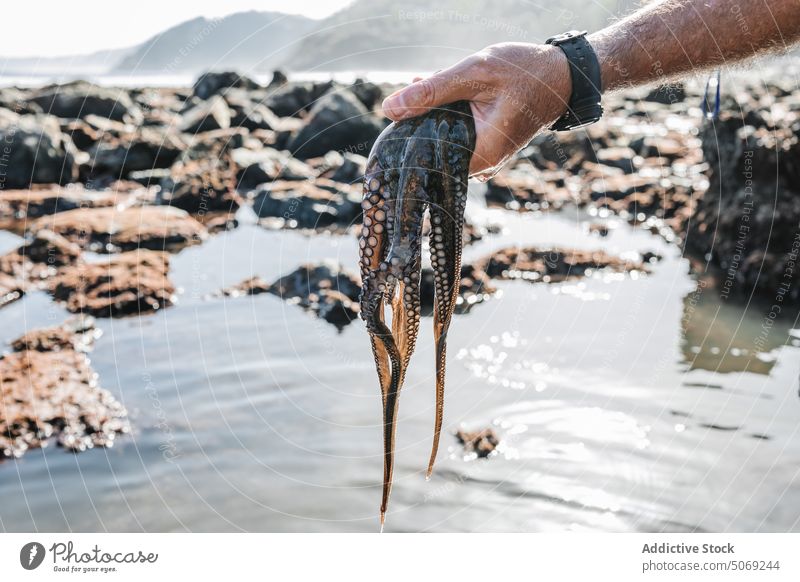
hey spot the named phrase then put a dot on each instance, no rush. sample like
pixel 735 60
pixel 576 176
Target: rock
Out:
pixel 747 221
pixel 77 333
pixel 207 185
pixel 131 283
pixel 309 204
pixel 295 99
pixel 51 249
pixel 207 115
pixel 475 288
pixel 79 99
pixel 210 84
pixel 348 168
pixel 258 167
pixel 49 391
pixel 83 135
pixel 252 286
pixel 326 290
pixel 35 152
pixel 19 206
pixel 146 149
pixel 523 187
pixel 599 229
pixel 552 265
pixel 623 158
pixel 368 93
pixel 482 443
pixel 109 230
pixel 10 289
pixel 338 121
pixel 279 79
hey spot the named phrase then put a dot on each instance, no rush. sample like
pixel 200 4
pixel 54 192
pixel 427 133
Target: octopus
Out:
pixel 416 166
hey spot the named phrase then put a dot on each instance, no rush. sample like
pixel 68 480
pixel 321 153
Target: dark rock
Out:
pixel 109 229
pixel 552 265
pixel 79 99
pixel 51 249
pixel 279 79
pixel 252 286
pixel 295 99
pixel 49 391
pixel 326 290
pixel 368 93
pixel 207 115
pixel 35 152
pixel 258 167
pixel 482 442
pixel 309 204
pixel 210 84
pixel 339 121
pixel 146 149
pixel 201 186
pixel 475 287
pixel 748 220
pixel 131 283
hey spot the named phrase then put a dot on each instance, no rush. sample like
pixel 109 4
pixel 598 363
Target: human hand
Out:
pixel 515 89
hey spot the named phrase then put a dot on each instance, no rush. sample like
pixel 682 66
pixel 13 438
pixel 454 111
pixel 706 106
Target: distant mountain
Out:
pixel 94 63
pixel 242 41
pixel 421 35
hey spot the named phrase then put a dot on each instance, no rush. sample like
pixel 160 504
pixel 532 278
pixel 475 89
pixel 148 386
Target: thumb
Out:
pixel 425 94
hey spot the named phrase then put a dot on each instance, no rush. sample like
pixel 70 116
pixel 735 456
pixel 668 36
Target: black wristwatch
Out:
pixel 584 103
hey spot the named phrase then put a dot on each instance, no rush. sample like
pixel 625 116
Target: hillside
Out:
pixel 243 41
pixel 416 35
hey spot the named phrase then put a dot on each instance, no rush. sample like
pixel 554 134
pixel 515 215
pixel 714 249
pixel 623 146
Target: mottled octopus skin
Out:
pixel 415 165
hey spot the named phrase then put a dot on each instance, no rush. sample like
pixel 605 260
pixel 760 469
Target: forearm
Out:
pixel 672 37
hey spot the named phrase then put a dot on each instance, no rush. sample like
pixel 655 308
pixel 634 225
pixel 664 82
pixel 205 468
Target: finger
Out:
pixel 450 85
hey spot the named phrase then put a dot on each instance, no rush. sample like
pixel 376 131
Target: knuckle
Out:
pixel 427 92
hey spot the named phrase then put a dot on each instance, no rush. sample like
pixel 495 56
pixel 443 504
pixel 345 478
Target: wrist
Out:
pixel 561 79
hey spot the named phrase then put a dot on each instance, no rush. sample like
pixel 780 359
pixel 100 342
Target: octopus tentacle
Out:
pixel 448 203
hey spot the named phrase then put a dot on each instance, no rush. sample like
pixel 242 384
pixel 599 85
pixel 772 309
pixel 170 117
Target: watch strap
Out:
pixel 585 101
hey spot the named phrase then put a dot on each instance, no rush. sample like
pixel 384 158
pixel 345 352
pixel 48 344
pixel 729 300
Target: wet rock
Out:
pixel 207 115
pixel 348 167
pixel 552 265
pixel 368 93
pixel 19 206
pixel 36 152
pixel 252 286
pixel 338 121
pixel 201 186
pixel 748 220
pixel 326 290
pixel 78 333
pixel 108 229
pixel 481 443
pixel 525 187
pixel 79 99
pixel 51 249
pixel 10 289
pixel 620 157
pixel 475 287
pixel 50 392
pixel 145 149
pixel 131 283
pixel 295 99
pixel 309 204
pixel 210 84
pixel 599 229
pixel 279 79
pixel 258 167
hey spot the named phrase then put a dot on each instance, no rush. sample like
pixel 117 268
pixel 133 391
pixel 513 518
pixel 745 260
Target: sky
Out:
pixel 58 28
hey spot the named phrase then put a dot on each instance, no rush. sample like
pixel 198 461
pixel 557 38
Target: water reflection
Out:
pixel 723 337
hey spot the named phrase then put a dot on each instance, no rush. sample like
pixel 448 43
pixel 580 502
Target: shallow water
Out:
pixel 623 403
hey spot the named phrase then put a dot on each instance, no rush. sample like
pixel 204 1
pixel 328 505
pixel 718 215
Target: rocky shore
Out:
pixel 131 176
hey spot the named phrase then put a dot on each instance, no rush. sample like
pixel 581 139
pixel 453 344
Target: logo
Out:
pixel 31 555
